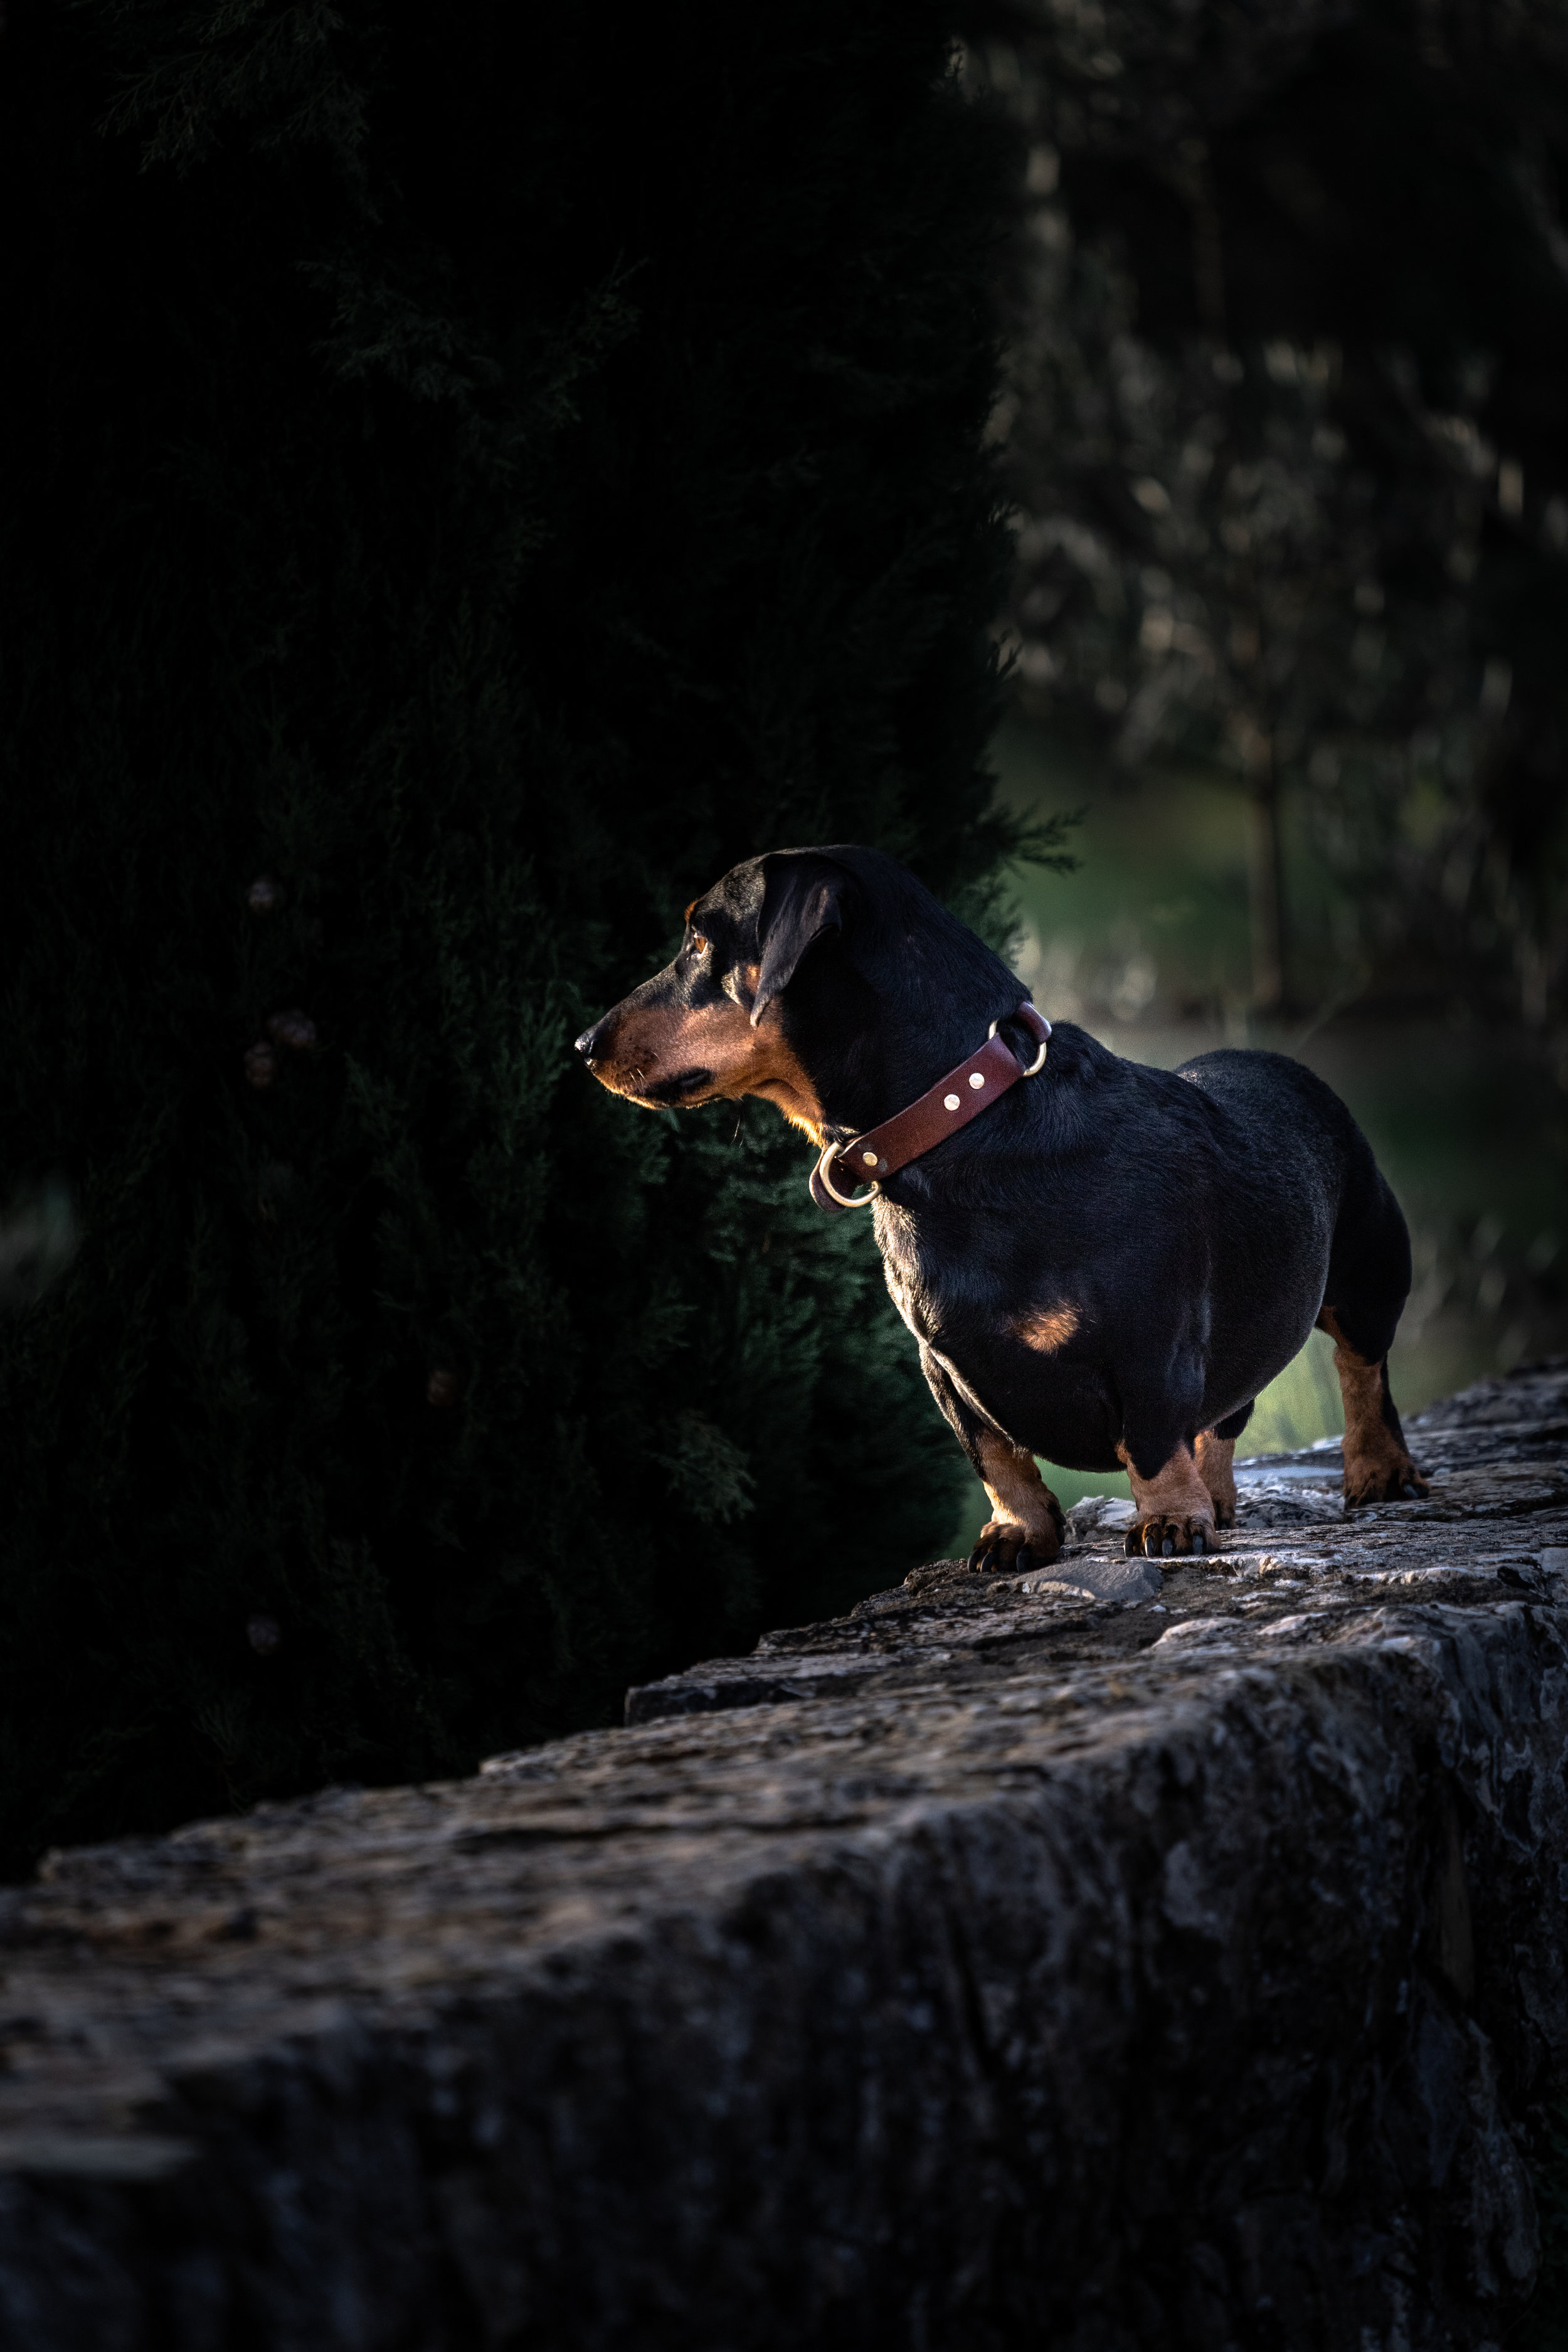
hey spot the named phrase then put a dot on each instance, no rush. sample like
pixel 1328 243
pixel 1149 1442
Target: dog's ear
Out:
pixel 803 897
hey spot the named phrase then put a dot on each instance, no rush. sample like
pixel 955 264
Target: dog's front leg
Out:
pixel 1174 1510
pixel 1026 1529
pixel 1027 1523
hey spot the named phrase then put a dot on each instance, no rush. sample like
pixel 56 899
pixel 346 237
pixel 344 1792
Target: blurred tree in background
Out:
pixel 469 480
pixel 1286 424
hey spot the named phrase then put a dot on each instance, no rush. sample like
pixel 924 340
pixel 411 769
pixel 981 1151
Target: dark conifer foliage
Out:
pixel 471 475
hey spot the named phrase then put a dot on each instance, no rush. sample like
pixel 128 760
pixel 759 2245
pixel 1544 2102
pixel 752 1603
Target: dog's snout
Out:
pixel 589 1042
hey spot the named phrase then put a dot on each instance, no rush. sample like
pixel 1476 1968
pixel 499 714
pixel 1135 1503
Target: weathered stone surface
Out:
pixel 1124 1580
pixel 991 1968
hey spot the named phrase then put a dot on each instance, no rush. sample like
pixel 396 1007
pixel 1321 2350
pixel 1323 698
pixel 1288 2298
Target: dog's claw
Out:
pixel 1378 1484
pixel 1024 1562
pixel 1161 1538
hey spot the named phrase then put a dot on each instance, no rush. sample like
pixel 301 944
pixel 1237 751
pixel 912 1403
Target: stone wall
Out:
pixel 1122 1961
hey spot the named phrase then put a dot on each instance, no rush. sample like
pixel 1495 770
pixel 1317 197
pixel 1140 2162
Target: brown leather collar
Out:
pixel 951 1104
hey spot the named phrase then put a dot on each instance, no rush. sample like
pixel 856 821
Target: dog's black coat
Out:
pixel 1190 1225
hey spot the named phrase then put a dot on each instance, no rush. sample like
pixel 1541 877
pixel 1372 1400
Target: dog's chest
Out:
pixel 901 1263
pixel 914 1274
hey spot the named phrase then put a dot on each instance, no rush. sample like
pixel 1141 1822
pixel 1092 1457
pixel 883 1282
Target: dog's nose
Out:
pixel 587 1041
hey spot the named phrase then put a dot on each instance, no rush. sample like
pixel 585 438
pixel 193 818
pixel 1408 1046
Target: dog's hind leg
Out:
pixel 1214 1457
pixel 1216 1452
pixel 1369 1280
pixel 1378 1467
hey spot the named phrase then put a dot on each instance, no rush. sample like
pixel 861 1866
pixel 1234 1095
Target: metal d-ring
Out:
pixel 859 1200
pixel 1038 1064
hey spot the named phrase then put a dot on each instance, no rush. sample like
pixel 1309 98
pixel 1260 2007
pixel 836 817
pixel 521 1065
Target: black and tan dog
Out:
pixel 1107 1264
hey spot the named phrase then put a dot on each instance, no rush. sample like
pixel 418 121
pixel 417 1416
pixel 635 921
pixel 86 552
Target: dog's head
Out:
pixel 711 1025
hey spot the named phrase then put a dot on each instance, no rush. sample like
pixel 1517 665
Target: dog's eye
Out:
pixel 698 944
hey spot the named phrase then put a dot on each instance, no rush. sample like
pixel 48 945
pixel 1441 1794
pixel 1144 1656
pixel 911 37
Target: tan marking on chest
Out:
pixel 1046 1328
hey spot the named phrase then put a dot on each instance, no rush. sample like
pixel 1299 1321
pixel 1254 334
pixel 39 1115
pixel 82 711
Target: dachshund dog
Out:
pixel 1102 1264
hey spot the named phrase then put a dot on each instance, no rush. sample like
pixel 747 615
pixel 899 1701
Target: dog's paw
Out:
pixel 1165 1533
pixel 1005 1549
pixel 1383 1481
pixel 1224 1511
